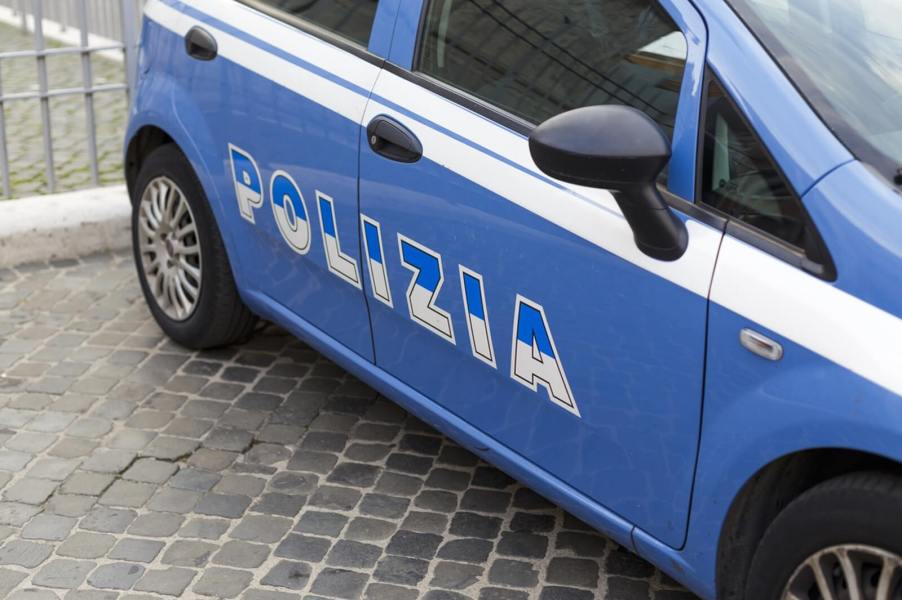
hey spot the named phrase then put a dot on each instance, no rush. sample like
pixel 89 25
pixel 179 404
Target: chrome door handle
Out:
pixel 760 344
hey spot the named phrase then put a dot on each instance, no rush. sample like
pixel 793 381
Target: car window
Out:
pixel 740 179
pixel 352 19
pixel 539 58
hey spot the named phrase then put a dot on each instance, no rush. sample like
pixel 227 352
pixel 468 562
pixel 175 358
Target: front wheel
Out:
pixel 841 540
pixel 182 264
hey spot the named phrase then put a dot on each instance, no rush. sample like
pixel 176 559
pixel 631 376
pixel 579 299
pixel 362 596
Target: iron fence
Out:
pixel 85 27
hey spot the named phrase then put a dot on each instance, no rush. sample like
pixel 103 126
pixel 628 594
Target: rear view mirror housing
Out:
pixel 620 149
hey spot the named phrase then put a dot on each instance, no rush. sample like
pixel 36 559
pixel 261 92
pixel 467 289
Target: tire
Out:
pixel 855 516
pixel 181 261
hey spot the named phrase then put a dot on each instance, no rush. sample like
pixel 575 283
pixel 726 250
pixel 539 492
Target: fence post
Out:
pixel 130 41
pixel 43 87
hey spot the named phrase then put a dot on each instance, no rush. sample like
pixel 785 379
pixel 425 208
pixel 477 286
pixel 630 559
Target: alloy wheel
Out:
pixel 847 572
pixel 169 248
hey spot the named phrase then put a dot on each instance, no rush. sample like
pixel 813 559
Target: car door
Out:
pixel 286 95
pixel 520 303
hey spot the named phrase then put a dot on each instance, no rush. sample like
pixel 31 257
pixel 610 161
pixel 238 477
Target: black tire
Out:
pixel 861 509
pixel 219 317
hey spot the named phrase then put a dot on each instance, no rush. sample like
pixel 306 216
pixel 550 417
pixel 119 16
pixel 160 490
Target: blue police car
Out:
pixel 644 255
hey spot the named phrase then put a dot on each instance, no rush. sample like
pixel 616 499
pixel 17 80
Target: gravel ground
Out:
pixel 24 130
pixel 132 468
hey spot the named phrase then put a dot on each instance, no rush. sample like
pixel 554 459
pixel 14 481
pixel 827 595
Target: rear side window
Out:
pixel 352 19
pixel 538 58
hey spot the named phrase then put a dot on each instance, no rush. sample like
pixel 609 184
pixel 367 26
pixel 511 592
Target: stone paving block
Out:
pixel 48 527
pixel 56 469
pixel 222 505
pixel 167 447
pixel 105 460
pixel 286 505
pixel 401 570
pixel 195 480
pixel 73 448
pixel 136 550
pixel 514 573
pixel 150 470
pixel 564 593
pixel 242 485
pixel 108 520
pixel 116 576
pixel 87 484
pixel 69 506
pixel 24 554
pixel 30 491
pixel 288 574
pixel 86 545
pixel 30 442
pixel 127 493
pixel 268 595
pixel 261 528
pixel 241 554
pixel 9 579
pixel 16 513
pixel 573 572
pixel 356 555
pixel 222 583
pixel 168 582
pixel 339 583
pixel 455 576
pixel 33 594
pixel 207 529
pixel 185 553
pixel 63 573
pixel 174 500
pixel 14 461
pixel 156 524
pixel 303 547
pixel 494 593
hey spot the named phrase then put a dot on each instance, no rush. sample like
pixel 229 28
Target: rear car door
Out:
pixel 522 304
pixel 286 95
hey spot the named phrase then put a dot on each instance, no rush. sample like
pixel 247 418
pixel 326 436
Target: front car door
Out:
pixel 522 304
pixel 287 94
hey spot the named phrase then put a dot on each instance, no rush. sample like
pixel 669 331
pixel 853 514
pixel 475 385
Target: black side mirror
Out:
pixel 621 149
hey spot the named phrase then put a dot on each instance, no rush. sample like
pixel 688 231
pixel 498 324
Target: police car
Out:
pixel 644 255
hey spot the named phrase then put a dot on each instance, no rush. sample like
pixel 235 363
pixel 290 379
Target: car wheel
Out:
pixel 841 540
pixel 182 264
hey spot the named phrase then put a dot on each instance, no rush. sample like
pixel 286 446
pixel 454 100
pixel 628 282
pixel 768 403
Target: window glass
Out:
pixel 352 19
pixel 845 56
pixel 539 58
pixel 740 179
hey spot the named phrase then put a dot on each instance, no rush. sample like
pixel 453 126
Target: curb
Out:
pixel 61 226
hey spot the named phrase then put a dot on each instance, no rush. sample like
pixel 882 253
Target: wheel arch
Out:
pixel 767 493
pixel 143 142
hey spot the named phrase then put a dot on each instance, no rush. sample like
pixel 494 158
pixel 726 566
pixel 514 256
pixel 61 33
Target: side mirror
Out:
pixel 620 149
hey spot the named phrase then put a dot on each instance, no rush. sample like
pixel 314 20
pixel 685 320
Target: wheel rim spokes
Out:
pixel 169 248
pixel 847 572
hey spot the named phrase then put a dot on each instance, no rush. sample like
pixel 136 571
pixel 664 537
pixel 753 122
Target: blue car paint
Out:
pixel 798 404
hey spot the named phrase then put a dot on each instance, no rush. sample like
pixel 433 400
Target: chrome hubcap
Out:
pixel 170 249
pixel 848 572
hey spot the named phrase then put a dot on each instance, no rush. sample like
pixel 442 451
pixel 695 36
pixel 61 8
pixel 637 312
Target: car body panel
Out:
pixel 478 201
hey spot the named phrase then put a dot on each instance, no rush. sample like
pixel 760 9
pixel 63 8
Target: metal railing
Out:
pixel 115 22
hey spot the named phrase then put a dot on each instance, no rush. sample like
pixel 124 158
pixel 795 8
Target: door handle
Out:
pixel 392 140
pixel 200 44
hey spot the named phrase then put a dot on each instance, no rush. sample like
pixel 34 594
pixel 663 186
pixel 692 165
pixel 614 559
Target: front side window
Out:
pixel 352 19
pixel 740 179
pixel 539 58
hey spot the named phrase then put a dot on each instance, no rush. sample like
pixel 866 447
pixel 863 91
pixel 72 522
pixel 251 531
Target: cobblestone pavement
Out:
pixel 24 130
pixel 132 468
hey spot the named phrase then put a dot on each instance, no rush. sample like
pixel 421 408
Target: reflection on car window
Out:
pixel 740 179
pixel 539 58
pixel 352 19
